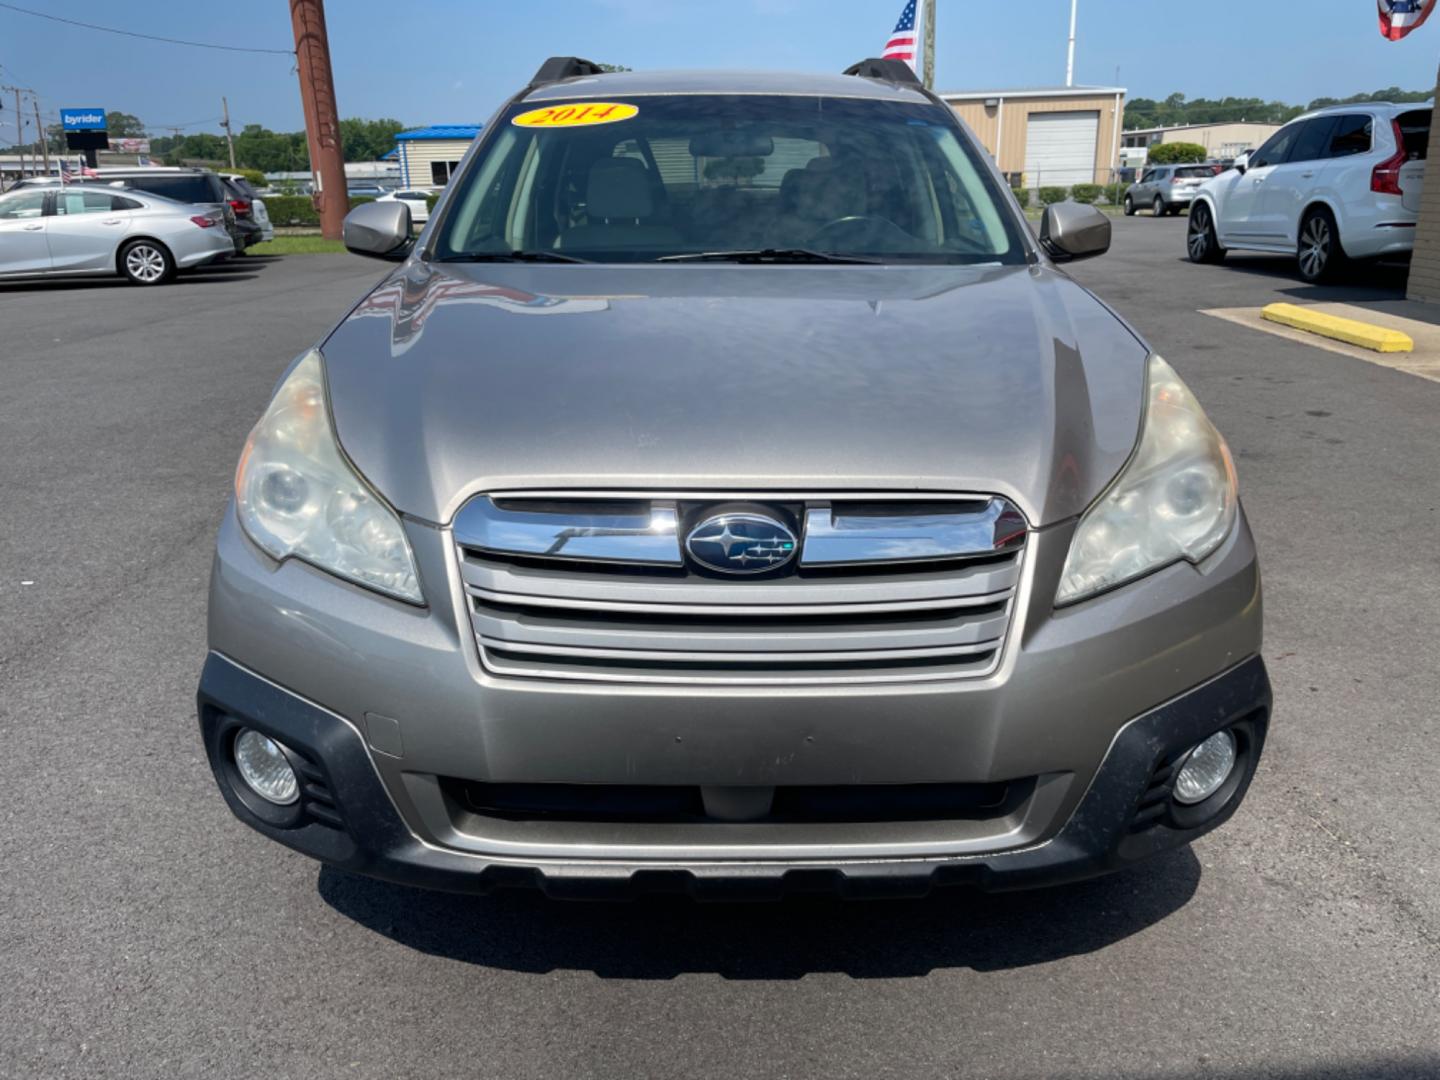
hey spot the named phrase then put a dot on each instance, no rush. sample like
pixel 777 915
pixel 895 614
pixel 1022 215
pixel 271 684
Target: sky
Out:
pixel 454 61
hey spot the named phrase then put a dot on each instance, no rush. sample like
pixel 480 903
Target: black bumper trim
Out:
pixel 373 840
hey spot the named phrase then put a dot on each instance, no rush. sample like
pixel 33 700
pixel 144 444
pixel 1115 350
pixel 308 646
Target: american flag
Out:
pixel 86 170
pixel 905 38
pixel 1399 17
pixel 66 175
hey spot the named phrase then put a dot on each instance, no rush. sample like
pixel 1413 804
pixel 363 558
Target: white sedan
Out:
pixel 90 229
pixel 413 198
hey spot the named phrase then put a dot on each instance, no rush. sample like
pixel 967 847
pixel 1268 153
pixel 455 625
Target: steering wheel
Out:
pixel 854 221
pixel 860 232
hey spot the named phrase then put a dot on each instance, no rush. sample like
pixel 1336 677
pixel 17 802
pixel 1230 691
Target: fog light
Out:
pixel 263 767
pixel 1206 769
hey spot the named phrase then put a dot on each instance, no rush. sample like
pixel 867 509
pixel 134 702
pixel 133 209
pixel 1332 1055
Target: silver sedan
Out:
pixel 94 229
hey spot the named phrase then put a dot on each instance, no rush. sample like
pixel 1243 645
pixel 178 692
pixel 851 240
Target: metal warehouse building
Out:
pixel 1056 136
pixel 1226 140
pixel 429 155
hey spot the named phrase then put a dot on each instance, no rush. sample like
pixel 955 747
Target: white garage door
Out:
pixel 1060 148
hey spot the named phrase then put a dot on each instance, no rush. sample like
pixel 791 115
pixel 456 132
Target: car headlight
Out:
pixel 297 495
pixel 1176 499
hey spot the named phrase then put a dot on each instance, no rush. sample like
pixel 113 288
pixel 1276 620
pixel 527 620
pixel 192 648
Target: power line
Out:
pixel 148 37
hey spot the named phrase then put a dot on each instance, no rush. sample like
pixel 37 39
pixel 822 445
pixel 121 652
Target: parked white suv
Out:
pixel 1339 184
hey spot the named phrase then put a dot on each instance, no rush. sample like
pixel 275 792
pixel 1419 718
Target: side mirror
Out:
pixel 380 230
pixel 1071 231
pixel 1242 162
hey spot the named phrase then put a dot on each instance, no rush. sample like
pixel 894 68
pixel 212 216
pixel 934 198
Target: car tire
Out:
pixel 1202 242
pixel 1319 255
pixel 146 262
pixel 1159 208
pixel 1129 206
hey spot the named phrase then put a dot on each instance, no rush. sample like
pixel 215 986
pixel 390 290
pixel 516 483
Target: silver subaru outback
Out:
pixel 727 493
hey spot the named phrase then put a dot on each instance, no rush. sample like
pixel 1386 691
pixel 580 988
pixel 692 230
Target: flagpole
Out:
pixel 1070 63
pixel 928 29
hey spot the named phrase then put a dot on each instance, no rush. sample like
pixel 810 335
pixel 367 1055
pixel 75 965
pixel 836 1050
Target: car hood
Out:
pixel 450 380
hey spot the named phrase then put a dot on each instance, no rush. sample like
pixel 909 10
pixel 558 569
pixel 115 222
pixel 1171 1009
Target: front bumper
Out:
pixel 413 703
pixel 347 818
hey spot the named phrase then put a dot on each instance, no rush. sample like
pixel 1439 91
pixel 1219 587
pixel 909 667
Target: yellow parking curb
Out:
pixel 1351 331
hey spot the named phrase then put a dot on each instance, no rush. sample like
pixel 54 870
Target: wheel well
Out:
pixel 119 251
pixel 1321 204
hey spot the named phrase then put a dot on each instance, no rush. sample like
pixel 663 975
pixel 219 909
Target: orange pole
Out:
pixel 322 118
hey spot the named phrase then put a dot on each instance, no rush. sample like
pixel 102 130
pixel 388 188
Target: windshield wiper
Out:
pixel 511 256
pixel 766 255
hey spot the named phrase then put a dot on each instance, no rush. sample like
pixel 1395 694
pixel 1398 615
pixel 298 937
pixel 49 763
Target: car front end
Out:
pixel 742 597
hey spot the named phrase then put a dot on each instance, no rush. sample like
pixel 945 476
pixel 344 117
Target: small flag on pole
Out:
pixel 65 174
pixel 904 43
pixel 1399 17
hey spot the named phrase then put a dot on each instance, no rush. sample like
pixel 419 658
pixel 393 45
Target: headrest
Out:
pixel 618 188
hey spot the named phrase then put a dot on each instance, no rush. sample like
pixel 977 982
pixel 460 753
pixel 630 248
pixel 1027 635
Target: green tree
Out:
pixel 124 125
pixel 368 140
pixel 613 67
pixel 1177 153
pixel 1176 110
pixel 260 148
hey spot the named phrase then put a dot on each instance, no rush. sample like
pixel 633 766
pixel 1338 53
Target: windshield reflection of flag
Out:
pixel 1400 17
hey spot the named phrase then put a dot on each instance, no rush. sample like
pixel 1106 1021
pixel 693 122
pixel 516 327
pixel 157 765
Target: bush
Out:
pixel 255 176
pixel 1115 193
pixel 1086 193
pixel 1177 153
pixel 299 210
pixel 1021 196
pixel 431 200
pixel 1051 195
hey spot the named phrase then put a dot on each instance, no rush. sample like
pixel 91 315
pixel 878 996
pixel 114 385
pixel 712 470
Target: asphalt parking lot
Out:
pixel 145 932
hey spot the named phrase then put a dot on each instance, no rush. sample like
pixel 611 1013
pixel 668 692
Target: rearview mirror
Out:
pixel 1242 161
pixel 731 143
pixel 1072 230
pixel 380 230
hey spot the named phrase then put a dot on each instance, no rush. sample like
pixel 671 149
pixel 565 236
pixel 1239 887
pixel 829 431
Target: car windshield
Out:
pixel 717 176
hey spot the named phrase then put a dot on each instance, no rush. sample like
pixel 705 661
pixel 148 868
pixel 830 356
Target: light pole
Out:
pixel 1070 63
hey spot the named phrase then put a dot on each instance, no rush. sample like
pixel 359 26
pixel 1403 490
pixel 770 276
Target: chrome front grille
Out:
pixel 573 586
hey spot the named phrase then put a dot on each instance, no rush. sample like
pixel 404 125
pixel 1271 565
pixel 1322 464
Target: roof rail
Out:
pixel 564 67
pixel 893 71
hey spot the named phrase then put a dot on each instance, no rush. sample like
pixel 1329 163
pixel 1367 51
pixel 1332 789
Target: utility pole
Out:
pixel 322 118
pixel 40 134
pixel 1070 63
pixel 928 66
pixel 19 131
pixel 225 123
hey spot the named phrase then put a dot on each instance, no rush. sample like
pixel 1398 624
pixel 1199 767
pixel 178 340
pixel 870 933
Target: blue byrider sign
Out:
pixel 82 119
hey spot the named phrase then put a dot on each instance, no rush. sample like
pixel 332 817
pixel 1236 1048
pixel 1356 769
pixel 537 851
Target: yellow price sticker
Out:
pixel 579 114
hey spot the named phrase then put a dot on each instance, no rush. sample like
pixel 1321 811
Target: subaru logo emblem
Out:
pixel 741 543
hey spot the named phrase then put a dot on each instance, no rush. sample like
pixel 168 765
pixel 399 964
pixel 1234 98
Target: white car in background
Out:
pixel 415 198
pixel 1339 184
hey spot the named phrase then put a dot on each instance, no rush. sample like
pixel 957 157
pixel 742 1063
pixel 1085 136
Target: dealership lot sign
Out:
pixel 82 119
